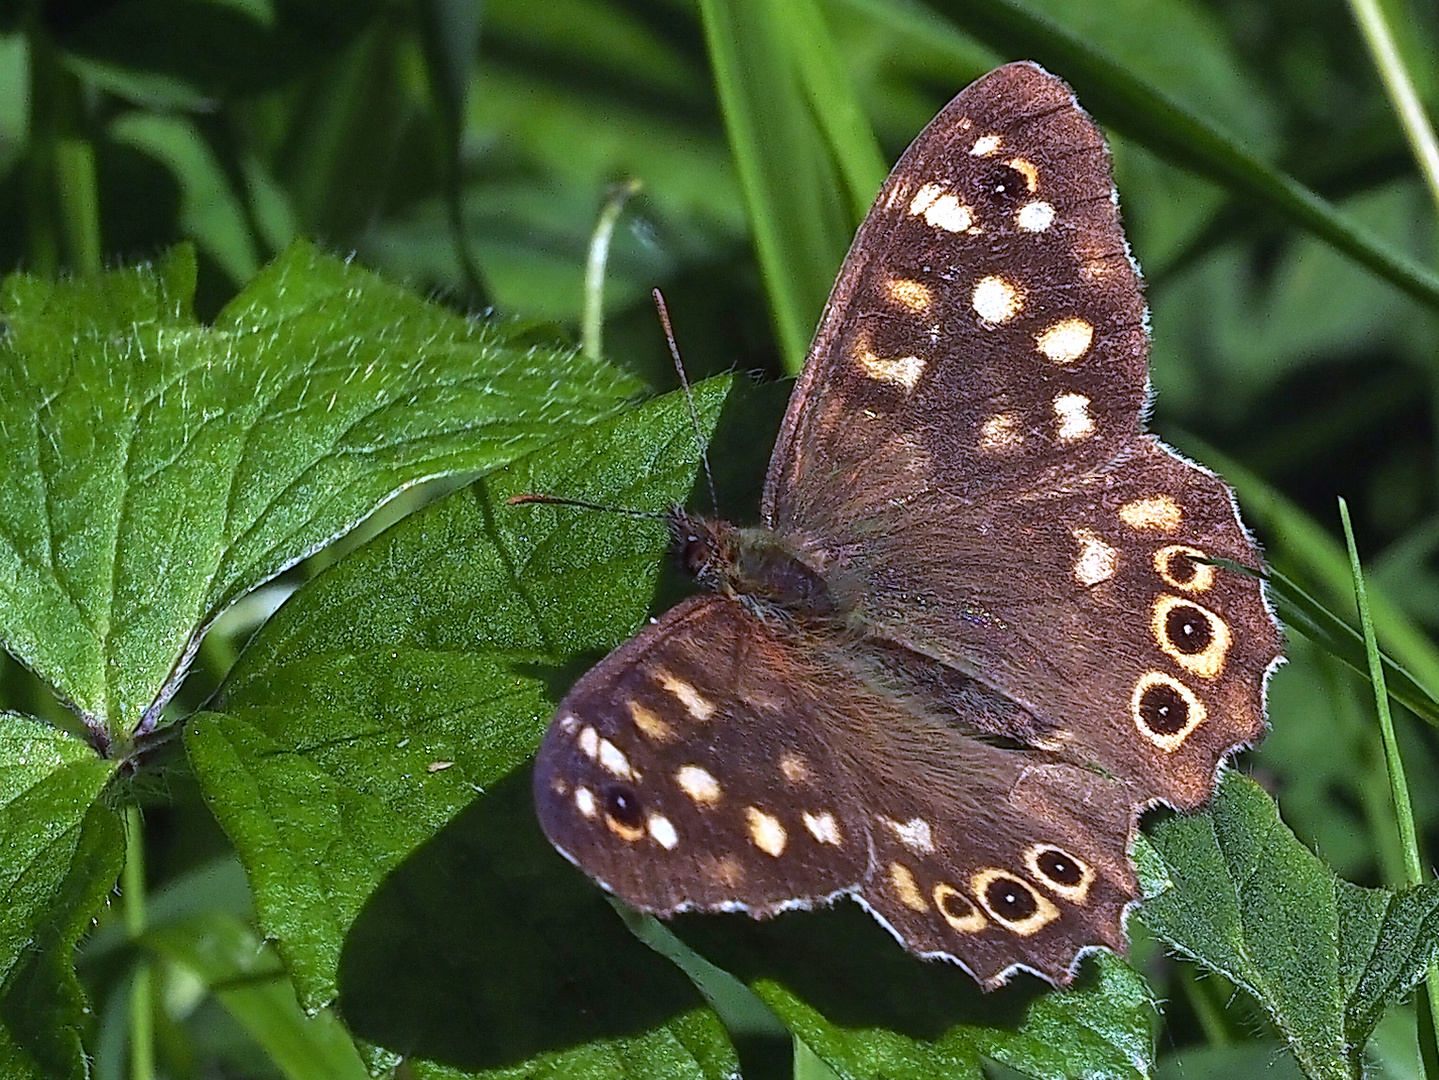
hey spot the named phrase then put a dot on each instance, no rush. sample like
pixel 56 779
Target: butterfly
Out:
pixel 979 630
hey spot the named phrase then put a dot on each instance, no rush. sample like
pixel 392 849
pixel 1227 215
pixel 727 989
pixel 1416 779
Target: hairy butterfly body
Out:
pixel 976 635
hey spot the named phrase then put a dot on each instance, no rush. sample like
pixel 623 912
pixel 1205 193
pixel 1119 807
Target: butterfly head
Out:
pixel 754 564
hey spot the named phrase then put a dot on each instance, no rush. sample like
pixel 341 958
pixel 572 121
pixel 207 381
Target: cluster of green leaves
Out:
pixel 167 478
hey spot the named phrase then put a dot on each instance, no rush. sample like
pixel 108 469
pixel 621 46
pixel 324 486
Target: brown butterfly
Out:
pixel 975 636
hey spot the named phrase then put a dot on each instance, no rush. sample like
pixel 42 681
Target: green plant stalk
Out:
pixel 1426 1016
pixel 593 318
pixel 836 106
pixel 1211 1018
pixel 132 883
pixel 79 203
pixel 1395 76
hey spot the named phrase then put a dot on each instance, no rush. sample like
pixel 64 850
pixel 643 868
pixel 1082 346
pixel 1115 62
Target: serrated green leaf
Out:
pixel 1323 956
pixel 868 1009
pixel 60 854
pixel 153 470
pixel 421 670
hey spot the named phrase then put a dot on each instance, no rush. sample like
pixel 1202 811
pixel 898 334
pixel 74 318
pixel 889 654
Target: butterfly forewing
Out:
pixel 986 315
pixel 693 769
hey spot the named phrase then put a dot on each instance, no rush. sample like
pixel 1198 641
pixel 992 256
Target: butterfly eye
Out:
pixel 695 555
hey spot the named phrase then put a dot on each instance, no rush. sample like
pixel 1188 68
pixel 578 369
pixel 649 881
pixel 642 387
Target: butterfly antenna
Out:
pixel 560 500
pixel 689 394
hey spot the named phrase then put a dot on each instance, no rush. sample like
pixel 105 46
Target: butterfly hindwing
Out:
pixel 718 763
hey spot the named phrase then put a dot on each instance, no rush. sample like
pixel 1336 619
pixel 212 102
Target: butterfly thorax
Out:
pixel 754 565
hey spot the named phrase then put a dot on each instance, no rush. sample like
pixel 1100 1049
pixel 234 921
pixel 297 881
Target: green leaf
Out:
pixel 412 675
pixel 60 854
pixel 153 470
pixel 211 214
pixel 867 1008
pixel 1238 893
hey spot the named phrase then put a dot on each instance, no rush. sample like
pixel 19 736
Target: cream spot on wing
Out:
pixel 901 370
pixel 995 299
pixel 985 145
pixel 1060 871
pixel 1035 216
pixel 1195 638
pixel 727 870
pixel 1097 560
pixel 568 723
pixel 1159 512
pixel 1000 432
pixel 612 759
pixel 949 214
pixel 1027 170
pixel 823 827
pixel 698 706
pixel 794 767
pixel 999 891
pixel 914 834
pixel 909 294
pixel 650 724
pixel 924 198
pixel 585 801
pixel 699 784
pixel 1072 412
pixel 765 831
pixel 1066 341
pixel 941 210
pixel 906 888
pixel 589 742
pixel 662 832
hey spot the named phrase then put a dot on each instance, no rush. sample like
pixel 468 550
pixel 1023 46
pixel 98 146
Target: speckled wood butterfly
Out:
pixel 978 632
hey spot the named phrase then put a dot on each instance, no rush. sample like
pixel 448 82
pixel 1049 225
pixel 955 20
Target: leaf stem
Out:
pixel 132 883
pixel 1427 1017
pixel 1395 76
pixel 593 320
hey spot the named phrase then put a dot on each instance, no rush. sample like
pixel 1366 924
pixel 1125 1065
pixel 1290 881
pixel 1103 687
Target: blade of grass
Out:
pixel 1296 538
pixel 1141 111
pixel 1400 88
pixel 1426 1016
pixel 836 108
pixel 1300 611
pixel 799 216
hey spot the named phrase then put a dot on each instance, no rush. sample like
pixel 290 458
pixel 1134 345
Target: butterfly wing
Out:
pixel 715 762
pixel 964 456
pixel 990 279
pixel 689 771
